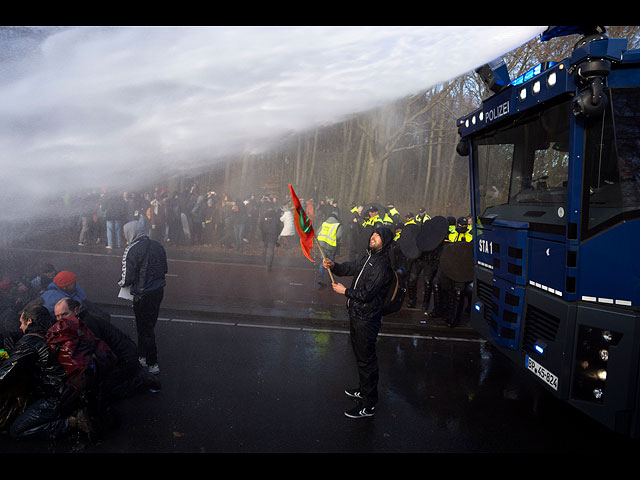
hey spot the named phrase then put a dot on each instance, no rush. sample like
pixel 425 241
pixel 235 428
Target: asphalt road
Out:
pixel 258 364
pixel 231 386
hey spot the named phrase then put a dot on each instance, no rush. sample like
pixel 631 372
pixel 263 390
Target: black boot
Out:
pixel 427 296
pixel 412 293
pixel 437 302
pixel 457 302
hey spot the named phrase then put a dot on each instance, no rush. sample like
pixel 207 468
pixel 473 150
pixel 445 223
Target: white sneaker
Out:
pixel 154 369
pixel 142 361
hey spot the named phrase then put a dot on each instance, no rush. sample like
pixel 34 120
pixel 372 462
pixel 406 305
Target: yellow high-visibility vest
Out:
pixel 329 233
pixel 460 237
pixel 371 221
pixel 397 235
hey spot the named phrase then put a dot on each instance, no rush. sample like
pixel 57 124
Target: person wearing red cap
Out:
pixel 64 285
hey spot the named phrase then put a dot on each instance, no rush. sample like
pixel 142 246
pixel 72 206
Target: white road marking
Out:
pixel 307 329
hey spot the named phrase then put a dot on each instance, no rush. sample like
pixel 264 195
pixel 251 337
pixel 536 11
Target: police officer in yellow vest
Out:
pixel 353 221
pixel 391 217
pixel 422 216
pixel 426 265
pixel 461 232
pixel 328 238
pixel 373 219
pixel 449 295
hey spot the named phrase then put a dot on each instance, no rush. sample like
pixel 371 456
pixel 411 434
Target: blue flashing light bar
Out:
pixel 534 72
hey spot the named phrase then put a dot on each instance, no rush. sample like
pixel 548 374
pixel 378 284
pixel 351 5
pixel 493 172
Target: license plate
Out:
pixel 545 375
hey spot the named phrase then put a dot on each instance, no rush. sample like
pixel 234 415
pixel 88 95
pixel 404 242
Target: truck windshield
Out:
pixel 523 168
pixel 612 163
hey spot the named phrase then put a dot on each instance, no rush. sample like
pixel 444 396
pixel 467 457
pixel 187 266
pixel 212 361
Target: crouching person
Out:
pixel 127 377
pixel 31 360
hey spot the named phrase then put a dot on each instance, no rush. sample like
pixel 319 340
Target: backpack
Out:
pixel 395 296
pixel 271 224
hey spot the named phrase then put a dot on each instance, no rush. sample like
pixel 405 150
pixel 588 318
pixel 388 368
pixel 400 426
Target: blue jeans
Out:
pixel 114 226
pixel 238 231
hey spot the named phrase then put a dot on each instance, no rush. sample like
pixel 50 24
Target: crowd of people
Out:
pixel 62 362
pixel 37 308
pixel 183 218
pixel 207 219
pixel 407 258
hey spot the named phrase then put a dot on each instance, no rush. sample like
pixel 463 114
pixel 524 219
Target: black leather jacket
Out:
pixel 31 359
pixel 372 276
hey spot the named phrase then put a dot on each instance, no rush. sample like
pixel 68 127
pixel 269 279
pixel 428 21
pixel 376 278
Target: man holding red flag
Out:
pixel 372 277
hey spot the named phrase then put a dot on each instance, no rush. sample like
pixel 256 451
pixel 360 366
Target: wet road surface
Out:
pixel 249 387
pixel 258 362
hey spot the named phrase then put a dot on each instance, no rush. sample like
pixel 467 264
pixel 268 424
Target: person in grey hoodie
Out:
pixel 144 266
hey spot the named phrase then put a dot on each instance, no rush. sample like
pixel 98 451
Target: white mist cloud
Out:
pixel 93 105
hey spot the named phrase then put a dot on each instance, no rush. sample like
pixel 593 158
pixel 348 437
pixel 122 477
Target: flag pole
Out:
pixel 323 257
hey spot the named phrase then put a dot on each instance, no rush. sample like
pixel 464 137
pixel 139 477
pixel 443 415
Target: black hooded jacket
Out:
pixel 31 359
pixel 372 276
pixel 144 261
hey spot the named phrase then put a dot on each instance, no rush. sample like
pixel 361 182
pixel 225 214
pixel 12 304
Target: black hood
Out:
pixel 387 237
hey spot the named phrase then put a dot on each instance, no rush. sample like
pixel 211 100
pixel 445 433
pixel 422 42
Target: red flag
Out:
pixel 303 225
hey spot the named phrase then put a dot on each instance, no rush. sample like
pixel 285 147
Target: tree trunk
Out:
pixel 354 194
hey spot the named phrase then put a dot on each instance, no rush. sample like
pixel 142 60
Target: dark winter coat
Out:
pixel 372 276
pixel 144 261
pixel 270 225
pixel 31 359
pixel 115 208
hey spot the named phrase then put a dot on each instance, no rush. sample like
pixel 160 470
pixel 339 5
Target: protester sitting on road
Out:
pixel 128 376
pixel 33 361
pixel 12 301
pixel 64 285
pixel 45 276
